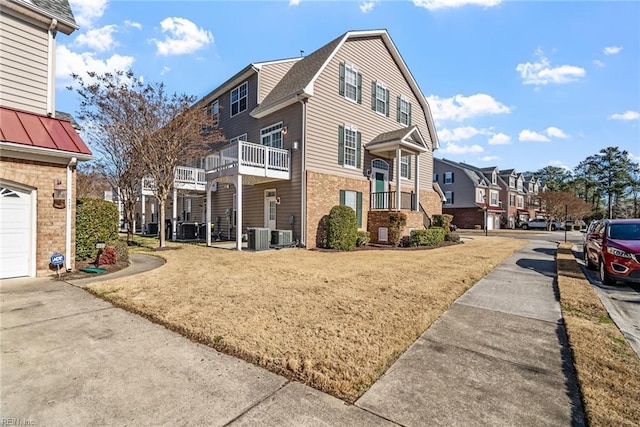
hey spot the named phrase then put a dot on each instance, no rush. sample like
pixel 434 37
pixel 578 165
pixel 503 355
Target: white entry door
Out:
pixel 15 233
pixel 270 203
pixel 490 222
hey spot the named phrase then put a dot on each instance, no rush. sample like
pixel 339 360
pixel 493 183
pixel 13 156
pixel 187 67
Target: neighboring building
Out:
pixel 532 186
pixel 508 181
pixel 39 151
pixel 470 194
pixel 346 124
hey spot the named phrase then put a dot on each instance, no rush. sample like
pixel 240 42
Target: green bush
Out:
pixel 443 221
pixel 452 237
pixel 342 228
pixel 397 221
pixel 363 239
pixel 96 221
pixel 429 237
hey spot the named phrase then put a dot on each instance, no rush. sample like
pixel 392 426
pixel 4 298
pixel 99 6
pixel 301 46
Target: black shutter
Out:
pixel 359 96
pixel 398 110
pixel 341 87
pixel 452 197
pixel 409 120
pixel 342 197
pixel 358 149
pixel 452 180
pixel 409 169
pixel 386 103
pixel 373 95
pixel 359 208
pixel 341 145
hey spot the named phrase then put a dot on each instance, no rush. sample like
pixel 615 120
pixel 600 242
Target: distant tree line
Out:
pixel 609 181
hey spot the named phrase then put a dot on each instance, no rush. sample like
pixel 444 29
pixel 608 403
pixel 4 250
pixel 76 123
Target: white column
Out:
pixel 153 209
pixel 398 165
pixel 144 213
pixel 120 213
pixel 416 175
pixel 208 212
pixel 239 212
pixel 174 216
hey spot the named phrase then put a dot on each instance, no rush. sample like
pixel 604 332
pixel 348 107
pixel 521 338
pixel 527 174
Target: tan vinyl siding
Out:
pixel 23 65
pixel 270 75
pixel 328 110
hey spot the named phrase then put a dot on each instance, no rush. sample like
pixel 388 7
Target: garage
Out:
pixel 16 233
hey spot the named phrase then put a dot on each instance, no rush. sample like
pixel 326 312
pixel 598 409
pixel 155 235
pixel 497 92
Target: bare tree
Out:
pixel 90 181
pixel 109 110
pixel 558 205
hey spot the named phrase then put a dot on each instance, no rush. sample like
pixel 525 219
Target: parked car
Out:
pixel 613 247
pixel 541 224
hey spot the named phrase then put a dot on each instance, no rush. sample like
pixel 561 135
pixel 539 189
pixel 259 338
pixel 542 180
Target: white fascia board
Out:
pixel 259 65
pixel 29 152
pixel 229 84
pixel 280 104
pixel 39 14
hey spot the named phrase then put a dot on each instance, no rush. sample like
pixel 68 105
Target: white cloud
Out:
pixel 294 2
pixel 183 36
pixel 542 73
pixel 459 133
pixel 560 164
pixel 529 135
pixel 555 132
pixel 499 139
pixel 87 11
pixel 445 4
pixel 453 148
pixel 599 63
pixel 612 50
pixel 133 24
pixel 165 70
pixel 69 62
pixel 460 107
pixel 367 6
pixel 627 115
pixel 489 158
pixel 100 39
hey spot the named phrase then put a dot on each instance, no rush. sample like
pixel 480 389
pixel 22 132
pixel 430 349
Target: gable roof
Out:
pixel 46 9
pixel 298 82
pixel 409 138
pixel 23 131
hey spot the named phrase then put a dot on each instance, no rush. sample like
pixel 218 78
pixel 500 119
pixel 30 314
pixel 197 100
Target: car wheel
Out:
pixel 525 226
pixel 604 276
pixel 587 260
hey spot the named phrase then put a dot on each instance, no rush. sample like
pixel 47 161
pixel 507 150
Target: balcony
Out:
pixel 386 200
pixel 261 162
pixel 186 178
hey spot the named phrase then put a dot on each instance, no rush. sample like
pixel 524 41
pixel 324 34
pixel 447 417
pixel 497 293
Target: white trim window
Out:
pixel 404 111
pixel 405 167
pixel 494 198
pixel 520 202
pixel 449 196
pixel 494 178
pixel 239 99
pixel 350 146
pixel 448 178
pixel 272 136
pixel 512 182
pixel 519 184
pixel 381 99
pixel 238 138
pixel 350 82
pixel 480 196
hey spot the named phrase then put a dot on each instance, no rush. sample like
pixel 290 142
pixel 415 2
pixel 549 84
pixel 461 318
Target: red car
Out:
pixel 613 246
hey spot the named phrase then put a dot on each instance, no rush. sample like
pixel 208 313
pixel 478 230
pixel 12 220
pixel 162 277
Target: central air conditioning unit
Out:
pixel 258 239
pixel 281 237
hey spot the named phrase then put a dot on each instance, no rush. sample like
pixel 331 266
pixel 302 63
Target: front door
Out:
pixel 380 189
pixel 270 203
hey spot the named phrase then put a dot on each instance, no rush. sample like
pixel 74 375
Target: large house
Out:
pixel 38 151
pixel 346 124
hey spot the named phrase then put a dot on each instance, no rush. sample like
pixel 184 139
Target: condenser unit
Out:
pixel 281 237
pixel 258 239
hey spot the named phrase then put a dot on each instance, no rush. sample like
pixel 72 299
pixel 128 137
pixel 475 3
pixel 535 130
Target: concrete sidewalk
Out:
pixel 497 357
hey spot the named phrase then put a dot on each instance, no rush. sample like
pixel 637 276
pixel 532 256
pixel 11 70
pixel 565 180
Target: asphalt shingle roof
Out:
pixel 58 8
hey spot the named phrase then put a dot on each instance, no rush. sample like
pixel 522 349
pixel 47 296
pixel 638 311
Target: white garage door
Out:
pixel 490 222
pixel 15 233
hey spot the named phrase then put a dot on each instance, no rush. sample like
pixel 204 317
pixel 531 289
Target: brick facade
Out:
pixel 473 218
pixel 50 222
pixel 377 219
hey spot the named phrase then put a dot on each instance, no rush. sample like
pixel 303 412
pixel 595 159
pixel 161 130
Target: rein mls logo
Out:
pixel 57 259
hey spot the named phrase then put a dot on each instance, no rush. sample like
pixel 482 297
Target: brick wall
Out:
pixel 431 202
pixel 466 217
pixel 51 222
pixel 377 219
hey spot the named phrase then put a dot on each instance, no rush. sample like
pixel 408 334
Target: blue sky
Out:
pixel 511 84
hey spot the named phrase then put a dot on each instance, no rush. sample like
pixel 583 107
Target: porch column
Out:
pixel 398 166
pixel 416 175
pixel 144 214
pixel 239 212
pixel 174 216
pixel 120 213
pixel 208 212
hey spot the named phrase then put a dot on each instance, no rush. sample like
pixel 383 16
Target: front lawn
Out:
pixel 333 320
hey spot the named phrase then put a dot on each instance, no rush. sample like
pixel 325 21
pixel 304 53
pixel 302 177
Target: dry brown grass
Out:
pixel 334 320
pixel 608 369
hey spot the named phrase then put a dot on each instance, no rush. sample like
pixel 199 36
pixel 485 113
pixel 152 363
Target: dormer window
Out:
pixel 512 182
pixel 494 178
pixel 519 184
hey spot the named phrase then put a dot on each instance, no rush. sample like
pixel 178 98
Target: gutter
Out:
pixel 303 174
pixel 11 146
pixel 70 168
pixel 51 61
pixel 20 5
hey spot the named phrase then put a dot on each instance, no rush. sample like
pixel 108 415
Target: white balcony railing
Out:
pixel 254 159
pixel 185 177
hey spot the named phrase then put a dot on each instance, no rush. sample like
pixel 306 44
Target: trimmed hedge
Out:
pixel 342 228
pixel 443 221
pixel 429 237
pixel 96 221
pixel 397 221
pixel 363 239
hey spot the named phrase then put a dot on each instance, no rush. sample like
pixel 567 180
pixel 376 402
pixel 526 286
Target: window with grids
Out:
pixel 448 178
pixel 405 167
pixel 239 99
pixel 480 196
pixel 405 111
pixel 242 137
pixel 449 196
pixel 512 182
pixel 350 146
pixel 520 201
pixel 381 99
pixel 519 184
pixel 512 200
pixel 494 198
pixel 494 178
pixel 272 136
pixel 350 83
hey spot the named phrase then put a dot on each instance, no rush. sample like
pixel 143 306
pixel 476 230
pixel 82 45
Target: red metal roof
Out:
pixel 34 130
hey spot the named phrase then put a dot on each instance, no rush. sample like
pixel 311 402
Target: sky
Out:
pixel 512 84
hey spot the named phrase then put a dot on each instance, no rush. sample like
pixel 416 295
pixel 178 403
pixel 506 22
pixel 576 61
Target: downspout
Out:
pixel 70 167
pixel 303 175
pixel 51 74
